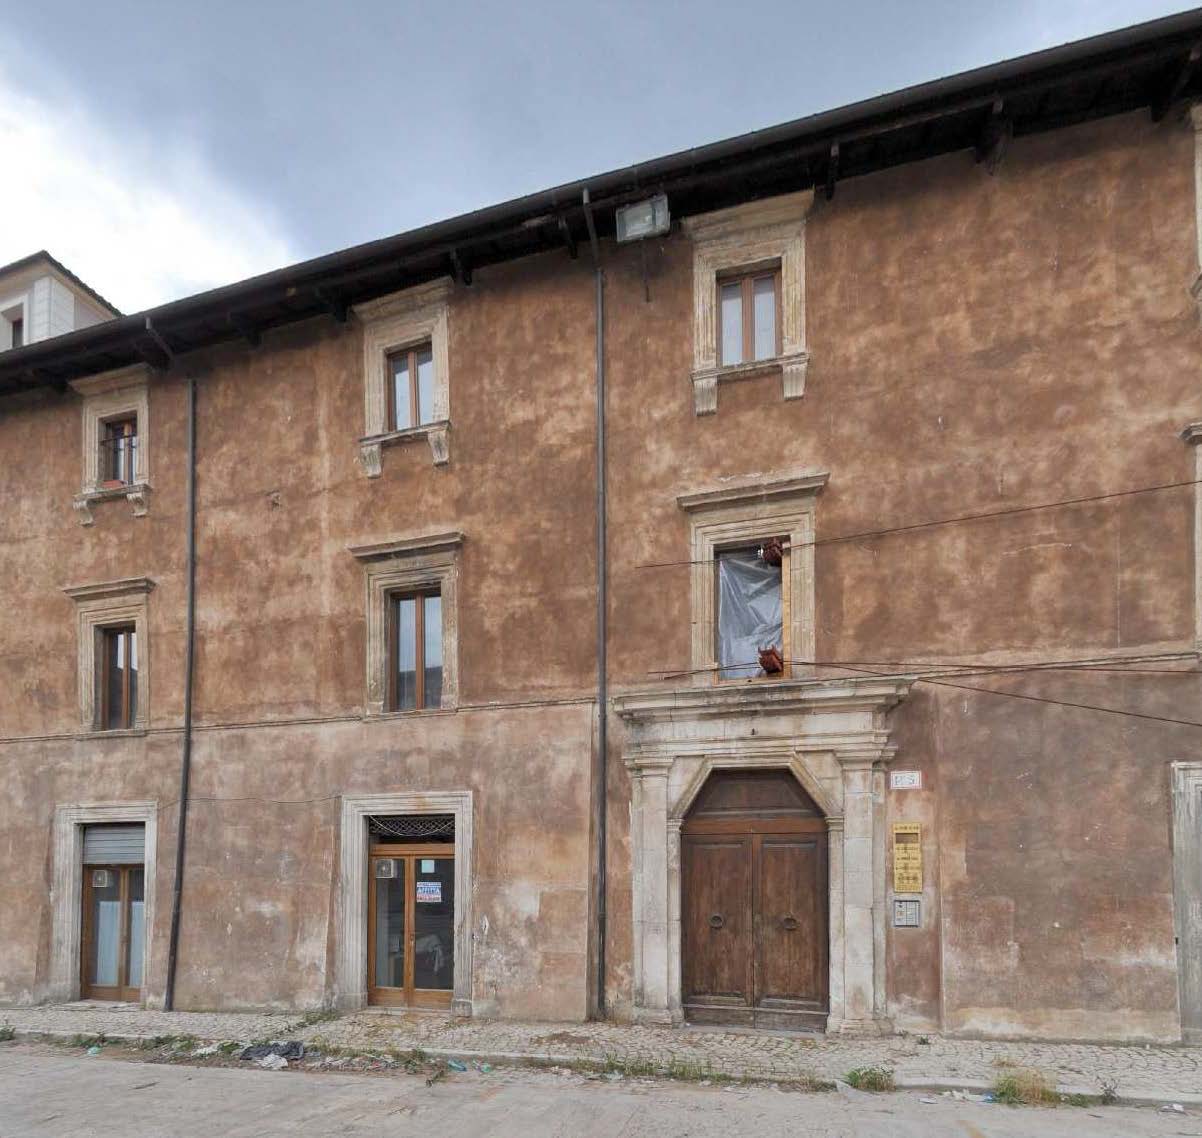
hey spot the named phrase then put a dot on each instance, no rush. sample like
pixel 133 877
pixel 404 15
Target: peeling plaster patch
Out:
pixel 1129 1025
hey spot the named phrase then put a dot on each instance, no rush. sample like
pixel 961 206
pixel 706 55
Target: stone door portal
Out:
pixel 754 903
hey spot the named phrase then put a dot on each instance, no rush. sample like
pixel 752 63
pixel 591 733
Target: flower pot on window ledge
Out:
pixel 112 484
pixel 771 661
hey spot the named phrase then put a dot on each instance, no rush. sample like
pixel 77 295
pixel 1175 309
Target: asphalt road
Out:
pixel 45 1091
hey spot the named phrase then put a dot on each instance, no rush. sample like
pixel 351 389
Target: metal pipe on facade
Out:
pixel 602 788
pixel 185 770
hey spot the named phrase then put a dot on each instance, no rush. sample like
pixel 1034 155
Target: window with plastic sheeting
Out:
pixel 751 614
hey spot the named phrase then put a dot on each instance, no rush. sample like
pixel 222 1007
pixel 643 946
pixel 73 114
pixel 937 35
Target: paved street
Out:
pixel 1134 1071
pixel 46 1092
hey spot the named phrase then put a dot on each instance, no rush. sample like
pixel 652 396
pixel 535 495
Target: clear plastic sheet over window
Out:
pixel 749 612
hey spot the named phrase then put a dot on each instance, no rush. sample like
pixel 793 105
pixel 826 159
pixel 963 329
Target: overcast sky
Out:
pixel 161 148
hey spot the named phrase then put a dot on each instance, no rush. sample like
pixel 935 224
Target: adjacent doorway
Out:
pixel 754 904
pixel 113 936
pixel 411 913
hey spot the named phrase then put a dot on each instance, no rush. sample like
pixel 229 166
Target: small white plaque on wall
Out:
pixel 905 780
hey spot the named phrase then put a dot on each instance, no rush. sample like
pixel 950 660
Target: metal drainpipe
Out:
pixel 602 790
pixel 185 769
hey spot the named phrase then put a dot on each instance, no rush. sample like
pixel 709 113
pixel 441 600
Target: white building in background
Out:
pixel 41 298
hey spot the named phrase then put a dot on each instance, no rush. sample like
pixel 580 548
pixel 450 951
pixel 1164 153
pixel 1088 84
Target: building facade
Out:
pixel 899 704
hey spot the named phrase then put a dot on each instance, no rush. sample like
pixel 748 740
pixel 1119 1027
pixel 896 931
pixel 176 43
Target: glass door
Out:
pixel 411 925
pixel 113 932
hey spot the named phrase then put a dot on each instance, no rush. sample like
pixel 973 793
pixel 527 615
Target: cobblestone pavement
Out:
pixel 1138 1071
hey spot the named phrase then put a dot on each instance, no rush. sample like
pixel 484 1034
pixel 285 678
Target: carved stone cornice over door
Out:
pixel 834 737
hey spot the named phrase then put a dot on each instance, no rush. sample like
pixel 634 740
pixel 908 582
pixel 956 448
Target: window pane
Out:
pixel 390 929
pixel 764 312
pixel 106 932
pixel 401 416
pixel 732 323
pixel 137 928
pixel 425 384
pixel 405 615
pixel 434 923
pixel 749 611
pixel 114 646
pixel 433 654
pixel 131 639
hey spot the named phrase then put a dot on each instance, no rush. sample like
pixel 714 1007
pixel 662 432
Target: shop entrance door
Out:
pixel 113 932
pixel 411 925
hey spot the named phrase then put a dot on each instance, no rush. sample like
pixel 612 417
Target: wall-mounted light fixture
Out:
pixel 648 218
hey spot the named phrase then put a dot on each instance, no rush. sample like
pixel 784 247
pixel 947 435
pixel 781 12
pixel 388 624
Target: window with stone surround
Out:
pixel 116 442
pixel 412 622
pixel 749 296
pixel 112 657
pixel 750 523
pixel 406 385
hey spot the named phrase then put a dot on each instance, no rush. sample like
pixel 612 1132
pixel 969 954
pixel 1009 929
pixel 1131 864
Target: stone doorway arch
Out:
pixel 833 736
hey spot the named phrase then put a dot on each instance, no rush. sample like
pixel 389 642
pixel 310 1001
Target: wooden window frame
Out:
pixel 410 354
pixel 128 425
pixel 128 692
pixel 746 278
pixel 785 612
pixel 419 635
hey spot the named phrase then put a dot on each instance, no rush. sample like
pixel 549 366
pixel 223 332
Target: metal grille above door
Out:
pixel 114 845
pixel 412 827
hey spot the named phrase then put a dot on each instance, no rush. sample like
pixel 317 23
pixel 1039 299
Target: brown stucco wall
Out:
pixel 976 343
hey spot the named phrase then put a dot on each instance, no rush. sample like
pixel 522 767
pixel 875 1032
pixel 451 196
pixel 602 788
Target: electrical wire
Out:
pixel 958 519
pixel 1012 695
pixel 975 668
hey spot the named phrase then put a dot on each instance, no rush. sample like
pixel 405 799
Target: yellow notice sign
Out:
pixel 907 857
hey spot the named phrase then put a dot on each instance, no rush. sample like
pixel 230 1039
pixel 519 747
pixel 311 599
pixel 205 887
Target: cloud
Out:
pixel 142 220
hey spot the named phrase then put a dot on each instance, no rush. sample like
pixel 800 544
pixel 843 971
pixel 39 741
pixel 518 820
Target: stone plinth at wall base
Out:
pixel 657 1017
pixel 860 1027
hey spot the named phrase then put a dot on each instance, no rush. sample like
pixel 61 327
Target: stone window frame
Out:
pixel 67 891
pixel 114 395
pixel 1191 435
pixel 8 305
pixel 745 237
pixel 400 565
pixel 746 511
pixel 350 958
pixel 390 324
pixel 1186 793
pixel 108 604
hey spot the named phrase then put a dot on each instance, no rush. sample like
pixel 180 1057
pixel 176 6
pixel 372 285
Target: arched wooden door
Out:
pixel 754 903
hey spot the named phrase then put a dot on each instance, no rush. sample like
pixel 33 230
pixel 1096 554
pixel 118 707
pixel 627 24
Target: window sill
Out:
pixel 437 434
pixel 136 493
pixel 113 733
pixel 792 368
pixel 419 713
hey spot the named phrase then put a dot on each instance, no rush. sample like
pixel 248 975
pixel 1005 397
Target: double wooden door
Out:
pixel 411 925
pixel 754 919
pixel 114 932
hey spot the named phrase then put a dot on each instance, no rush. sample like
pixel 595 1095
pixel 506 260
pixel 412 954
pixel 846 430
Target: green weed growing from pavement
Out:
pixel 871 1079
